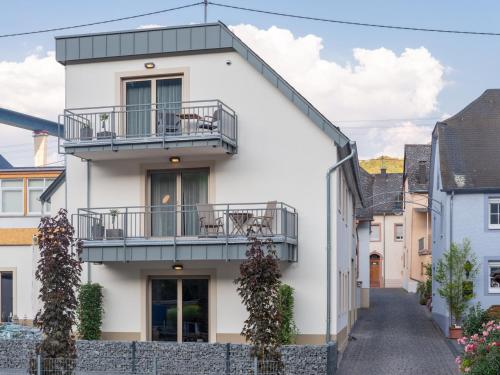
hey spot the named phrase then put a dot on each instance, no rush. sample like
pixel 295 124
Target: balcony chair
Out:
pixel 210 224
pixel 258 224
pixel 167 123
pixel 209 122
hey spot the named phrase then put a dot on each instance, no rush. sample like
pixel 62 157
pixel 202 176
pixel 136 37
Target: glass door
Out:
pixel 194 185
pixel 6 296
pixel 163 204
pixel 168 106
pixel 138 101
pixel 187 295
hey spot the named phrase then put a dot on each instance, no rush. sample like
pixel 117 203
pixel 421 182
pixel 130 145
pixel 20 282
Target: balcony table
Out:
pixel 239 220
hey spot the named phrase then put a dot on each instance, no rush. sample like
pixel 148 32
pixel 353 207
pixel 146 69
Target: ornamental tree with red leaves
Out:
pixel 258 287
pixel 58 271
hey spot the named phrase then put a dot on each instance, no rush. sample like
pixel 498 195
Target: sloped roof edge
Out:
pixel 52 188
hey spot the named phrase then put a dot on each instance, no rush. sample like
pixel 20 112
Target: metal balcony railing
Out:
pixel 157 122
pixel 195 222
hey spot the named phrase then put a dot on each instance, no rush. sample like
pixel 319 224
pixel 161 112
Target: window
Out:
pixel 36 186
pixel 6 296
pixel 494 213
pixel 398 232
pixel 494 277
pixel 375 232
pixel 11 196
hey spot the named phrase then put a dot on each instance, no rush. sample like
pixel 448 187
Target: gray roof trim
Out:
pixel 191 39
pixel 32 169
pixel 52 188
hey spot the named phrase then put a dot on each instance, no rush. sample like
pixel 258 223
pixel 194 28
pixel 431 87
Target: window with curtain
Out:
pixel 11 196
pixel 194 191
pixel 138 100
pixel 398 232
pixel 168 104
pixel 494 277
pixel 494 213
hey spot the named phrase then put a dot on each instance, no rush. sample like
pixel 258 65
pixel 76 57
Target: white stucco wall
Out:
pixel 281 156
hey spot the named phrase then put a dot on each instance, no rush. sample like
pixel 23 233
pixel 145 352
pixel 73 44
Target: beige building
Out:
pixel 417 220
pixel 387 259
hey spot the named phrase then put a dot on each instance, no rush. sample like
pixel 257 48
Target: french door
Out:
pixel 174 196
pixel 179 309
pixel 153 106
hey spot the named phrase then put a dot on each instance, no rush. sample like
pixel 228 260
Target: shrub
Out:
pixel 58 271
pixel 424 288
pixel 494 313
pixel 455 272
pixel 474 320
pixel 288 330
pixel 258 286
pixel 90 311
pixel 481 351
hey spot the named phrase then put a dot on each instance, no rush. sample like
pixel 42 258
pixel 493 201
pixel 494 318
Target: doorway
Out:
pixel 6 296
pixel 179 309
pixel 375 273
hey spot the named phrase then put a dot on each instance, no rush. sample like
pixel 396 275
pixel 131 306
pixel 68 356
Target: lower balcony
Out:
pixel 194 232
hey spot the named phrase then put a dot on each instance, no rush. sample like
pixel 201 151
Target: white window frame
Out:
pixel 46 182
pixel 396 225
pixel 379 229
pixel 20 188
pixel 492 201
pixel 492 290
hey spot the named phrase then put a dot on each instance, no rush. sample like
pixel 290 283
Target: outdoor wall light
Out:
pixel 175 159
pixel 178 267
pixel 149 65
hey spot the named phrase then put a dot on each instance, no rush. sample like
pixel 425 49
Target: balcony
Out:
pixel 177 233
pixel 203 127
pixel 425 245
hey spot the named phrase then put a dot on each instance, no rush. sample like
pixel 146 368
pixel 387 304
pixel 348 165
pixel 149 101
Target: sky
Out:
pixel 382 87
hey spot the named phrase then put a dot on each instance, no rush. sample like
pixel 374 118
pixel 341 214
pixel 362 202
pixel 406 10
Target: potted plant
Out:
pixel 86 132
pixel 455 273
pixel 114 233
pixel 104 134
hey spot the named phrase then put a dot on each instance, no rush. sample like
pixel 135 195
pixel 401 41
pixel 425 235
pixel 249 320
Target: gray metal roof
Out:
pixel 182 40
pixel 387 193
pixel 52 188
pixel 417 167
pixel 469 146
pixel 4 163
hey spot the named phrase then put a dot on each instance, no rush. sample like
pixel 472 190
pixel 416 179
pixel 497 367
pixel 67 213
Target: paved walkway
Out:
pixel 396 337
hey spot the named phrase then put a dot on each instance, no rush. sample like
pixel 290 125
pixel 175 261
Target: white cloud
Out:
pixel 34 86
pixel 379 84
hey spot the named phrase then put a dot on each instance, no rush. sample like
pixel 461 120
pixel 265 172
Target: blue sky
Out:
pixel 470 62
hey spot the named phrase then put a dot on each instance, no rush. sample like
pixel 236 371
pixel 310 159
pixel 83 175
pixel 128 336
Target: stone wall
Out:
pixel 195 358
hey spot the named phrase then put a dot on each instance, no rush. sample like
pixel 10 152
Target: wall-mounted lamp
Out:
pixel 175 159
pixel 149 65
pixel 178 267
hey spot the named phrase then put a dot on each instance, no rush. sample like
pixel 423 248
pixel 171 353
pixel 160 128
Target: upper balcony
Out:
pixel 196 127
pixel 185 232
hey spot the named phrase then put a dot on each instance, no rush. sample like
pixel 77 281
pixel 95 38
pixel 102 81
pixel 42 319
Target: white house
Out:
pixel 465 195
pixel 178 141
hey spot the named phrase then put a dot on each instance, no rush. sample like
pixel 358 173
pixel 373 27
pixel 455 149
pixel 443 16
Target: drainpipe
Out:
pixel 383 251
pixel 328 238
pixel 89 268
pixel 451 241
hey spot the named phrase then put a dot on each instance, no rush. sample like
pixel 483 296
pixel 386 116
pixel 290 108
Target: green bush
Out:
pixel 474 320
pixel 90 311
pixel 424 288
pixel 288 329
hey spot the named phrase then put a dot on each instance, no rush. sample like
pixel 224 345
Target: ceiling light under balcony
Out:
pixel 149 65
pixel 175 159
pixel 178 267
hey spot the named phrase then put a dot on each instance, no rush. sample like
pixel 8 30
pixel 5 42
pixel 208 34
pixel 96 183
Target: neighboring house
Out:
pixel 167 191
pixel 20 213
pixel 465 194
pixel 387 259
pixel 417 219
pixel 364 217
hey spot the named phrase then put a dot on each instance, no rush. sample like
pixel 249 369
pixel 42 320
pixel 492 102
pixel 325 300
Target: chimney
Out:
pixel 383 171
pixel 40 142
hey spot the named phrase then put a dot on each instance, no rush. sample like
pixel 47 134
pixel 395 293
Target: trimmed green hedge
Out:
pixel 288 329
pixel 90 311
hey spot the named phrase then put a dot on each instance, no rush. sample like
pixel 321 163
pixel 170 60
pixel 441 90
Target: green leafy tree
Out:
pixel 455 273
pixel 258 287
pixel 58 271
pixel 288 330
pixel 90 311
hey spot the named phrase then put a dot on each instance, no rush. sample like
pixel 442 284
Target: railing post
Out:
pixel 112 127
pixel 125 226
pixel 39 364
pixel 227 232
pixel 176 217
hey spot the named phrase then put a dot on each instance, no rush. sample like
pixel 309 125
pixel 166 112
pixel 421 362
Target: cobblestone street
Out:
pixel 396 337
